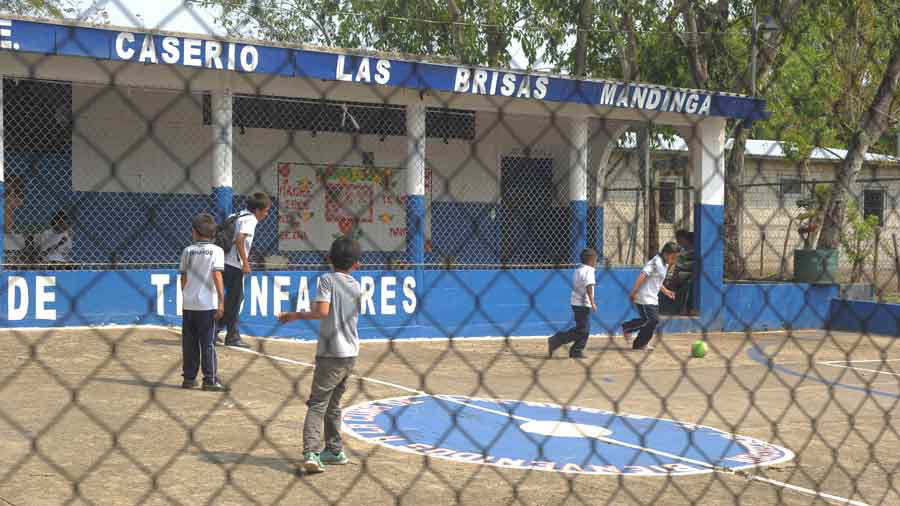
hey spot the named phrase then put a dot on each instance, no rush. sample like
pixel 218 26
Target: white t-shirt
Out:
pixel 13 241
pixel 648 293
pixel 198 262
pixel 582 281
pixel 245 224
pixel 55 246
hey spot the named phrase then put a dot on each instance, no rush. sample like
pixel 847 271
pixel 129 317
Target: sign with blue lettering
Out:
pixel 228 55
pixel 549 437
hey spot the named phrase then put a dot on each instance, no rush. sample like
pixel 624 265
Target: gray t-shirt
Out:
pixel 338 337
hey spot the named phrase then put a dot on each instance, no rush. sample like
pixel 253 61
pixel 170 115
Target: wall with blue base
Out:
pixel 442 303
pixel 866 317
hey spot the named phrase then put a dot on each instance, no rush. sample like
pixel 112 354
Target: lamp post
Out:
pixel 768 25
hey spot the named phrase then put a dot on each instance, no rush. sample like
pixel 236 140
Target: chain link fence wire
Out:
pixel 760 390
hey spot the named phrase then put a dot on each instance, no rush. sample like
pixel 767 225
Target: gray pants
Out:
pixel 329 384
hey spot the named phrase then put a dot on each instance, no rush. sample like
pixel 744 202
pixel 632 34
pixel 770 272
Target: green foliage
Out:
pixel 812 212
pixel 94 12
pixel 858 237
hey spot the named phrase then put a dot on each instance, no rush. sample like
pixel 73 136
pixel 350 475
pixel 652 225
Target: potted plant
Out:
pixel 814 265
pixel 858 239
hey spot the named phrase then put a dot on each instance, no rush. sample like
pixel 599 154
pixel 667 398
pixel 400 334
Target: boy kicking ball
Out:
pixel 582 300
pixel 336 304
pixel 645 296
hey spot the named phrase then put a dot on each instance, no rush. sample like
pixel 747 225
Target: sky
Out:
pixel 172 15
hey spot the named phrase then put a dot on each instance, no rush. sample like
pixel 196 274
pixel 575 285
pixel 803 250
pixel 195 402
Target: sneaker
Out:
pixel 552 345
pixel 214 386
pixel 312 464
pixel 218 341
pixel 627 334
pixel 647 348
pixel 236 343
pixel 576 354
pixel 188 384
pixel 331 458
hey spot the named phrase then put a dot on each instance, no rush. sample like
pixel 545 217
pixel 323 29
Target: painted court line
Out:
pixel 859 361
pixel 744 474
pixel 859 368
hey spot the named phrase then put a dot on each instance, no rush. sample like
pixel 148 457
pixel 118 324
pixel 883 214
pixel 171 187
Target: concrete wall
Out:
pixel 448 303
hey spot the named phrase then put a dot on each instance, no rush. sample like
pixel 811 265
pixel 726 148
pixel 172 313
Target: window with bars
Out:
pixel 873 204
pixel 667 202
pixel 284 113
pixel 790 186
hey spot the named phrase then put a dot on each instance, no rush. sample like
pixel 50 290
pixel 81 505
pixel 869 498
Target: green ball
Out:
pixel 698 349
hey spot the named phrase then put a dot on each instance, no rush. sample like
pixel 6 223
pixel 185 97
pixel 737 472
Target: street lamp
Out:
pixel 768 25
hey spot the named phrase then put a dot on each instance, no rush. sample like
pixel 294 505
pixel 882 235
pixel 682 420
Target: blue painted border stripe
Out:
pixel 99 43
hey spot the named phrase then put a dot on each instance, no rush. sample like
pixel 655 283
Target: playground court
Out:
pixel 103 409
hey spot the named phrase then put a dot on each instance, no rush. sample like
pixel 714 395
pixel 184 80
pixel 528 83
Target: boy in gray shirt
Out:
pixel 337 305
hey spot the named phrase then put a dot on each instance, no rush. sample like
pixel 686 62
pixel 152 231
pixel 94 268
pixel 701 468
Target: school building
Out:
pixel 471 189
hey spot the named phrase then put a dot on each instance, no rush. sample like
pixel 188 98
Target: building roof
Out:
pixel 102 42
pixel 756 148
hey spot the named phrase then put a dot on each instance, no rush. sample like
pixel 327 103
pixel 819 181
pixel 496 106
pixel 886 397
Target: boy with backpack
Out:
pixel 338 295
pixel 236 237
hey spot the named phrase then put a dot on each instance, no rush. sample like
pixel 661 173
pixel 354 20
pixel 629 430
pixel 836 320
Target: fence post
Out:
pixel 578 133
pixel 222 108
pixel 415 192
pixel 762 249
pixel 896 260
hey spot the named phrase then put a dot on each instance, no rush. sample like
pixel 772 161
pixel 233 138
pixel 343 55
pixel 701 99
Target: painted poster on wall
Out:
pixel 319 203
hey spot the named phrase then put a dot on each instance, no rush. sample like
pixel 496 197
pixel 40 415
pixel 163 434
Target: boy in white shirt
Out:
pixel 55 243
pixel 203 295
pixel 237 264
pixel 645 295
pixel 582 300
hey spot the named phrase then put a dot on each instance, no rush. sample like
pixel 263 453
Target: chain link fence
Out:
pixel 472 193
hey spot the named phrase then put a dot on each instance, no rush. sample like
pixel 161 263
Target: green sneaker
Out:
pixel 334 459
pixel 312 463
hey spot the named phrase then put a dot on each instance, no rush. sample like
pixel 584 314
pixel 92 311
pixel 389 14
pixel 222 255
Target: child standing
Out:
pixel 337 305
pixel 201 286
pixel 582 300
pixel 237 263
pixel 645 295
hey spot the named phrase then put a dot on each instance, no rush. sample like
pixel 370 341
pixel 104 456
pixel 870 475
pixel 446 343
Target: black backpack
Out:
pixel 225 232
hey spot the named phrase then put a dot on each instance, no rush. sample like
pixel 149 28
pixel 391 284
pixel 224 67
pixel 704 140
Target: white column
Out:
pixel 415 184
pixel 578 137
pixel 706 141
pixel 222 128
pixel 415 154
pixel 579 152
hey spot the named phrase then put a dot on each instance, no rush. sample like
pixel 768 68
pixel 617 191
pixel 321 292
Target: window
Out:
pixel 667 202
pixel 791 186
pixel 873 204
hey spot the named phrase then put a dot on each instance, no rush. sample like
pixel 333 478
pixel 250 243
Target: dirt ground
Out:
pixel 97 417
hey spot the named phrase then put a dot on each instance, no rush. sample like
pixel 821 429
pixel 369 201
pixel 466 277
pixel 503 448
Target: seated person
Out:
pixel 681 278
pixel 55 243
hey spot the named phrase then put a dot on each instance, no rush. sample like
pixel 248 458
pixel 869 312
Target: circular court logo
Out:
pixel 549 437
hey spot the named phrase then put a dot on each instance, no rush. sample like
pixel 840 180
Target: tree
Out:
pixel 715 40
pixel 70 9
pixel 865 45
pixel 476 32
